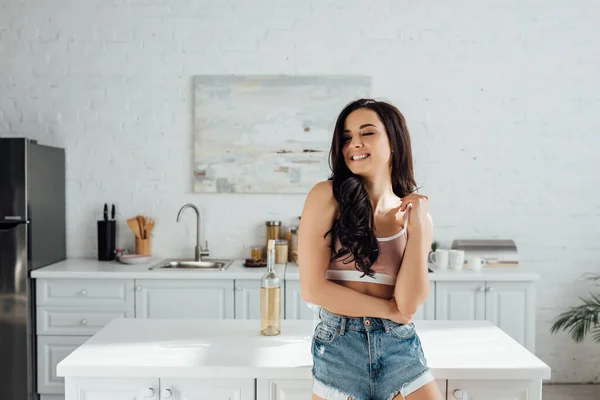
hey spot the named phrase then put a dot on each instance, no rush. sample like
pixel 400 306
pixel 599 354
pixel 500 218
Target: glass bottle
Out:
pixel 270 297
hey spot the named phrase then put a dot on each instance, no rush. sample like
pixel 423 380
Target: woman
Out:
pixel 363 243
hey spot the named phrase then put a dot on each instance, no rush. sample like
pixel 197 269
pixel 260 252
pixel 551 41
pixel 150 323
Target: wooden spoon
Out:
pixel 141 222
pixel 149 226
pixel 134 226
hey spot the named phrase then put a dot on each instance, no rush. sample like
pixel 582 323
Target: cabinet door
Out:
pixel 206 389
pixel 510 306
pixel 284 389
pixel 295 307
pixel 460 300
pixel 247 299
pixel 427 310
pixel 487 389
pixel 112 388
pixel 50 351
pixel 178 298
pixel 301 389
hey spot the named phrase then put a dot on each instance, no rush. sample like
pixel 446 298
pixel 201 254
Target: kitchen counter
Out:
pixel 81 268
pixel 90 268
pixel 485 274
pixel 234 349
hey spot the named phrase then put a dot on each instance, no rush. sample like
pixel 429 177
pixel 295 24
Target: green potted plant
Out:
pixel 582 319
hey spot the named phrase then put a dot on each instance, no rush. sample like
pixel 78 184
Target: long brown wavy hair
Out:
pixel 354 223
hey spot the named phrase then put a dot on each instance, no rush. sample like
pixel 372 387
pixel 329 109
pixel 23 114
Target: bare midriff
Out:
pixel 372 289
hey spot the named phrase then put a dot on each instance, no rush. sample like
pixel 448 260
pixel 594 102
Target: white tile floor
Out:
pixel 571 392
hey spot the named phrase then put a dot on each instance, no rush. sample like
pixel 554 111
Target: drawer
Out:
pixel 76 321
pixel 52 397
pixel 50 351
pixel 84 292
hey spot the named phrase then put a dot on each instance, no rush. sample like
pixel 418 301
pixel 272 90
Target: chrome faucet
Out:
pixel 199 251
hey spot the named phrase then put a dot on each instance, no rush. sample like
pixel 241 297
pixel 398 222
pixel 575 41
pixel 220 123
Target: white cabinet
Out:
pixel 300 389
pixel 52 396
pixel 206 389
pixel 75 320
pixel 460 300
pixel 159 389
pixel 283 389
pixel 295 306
pixel 511 307
pixel 84 292
pixel 50 351
pixel 488 389
pixel 178 298
pixel 69 312
pixel 247 299
pixel 112 389
pixel 508 305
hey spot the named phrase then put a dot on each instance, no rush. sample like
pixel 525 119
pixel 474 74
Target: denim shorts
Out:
pixel 366 358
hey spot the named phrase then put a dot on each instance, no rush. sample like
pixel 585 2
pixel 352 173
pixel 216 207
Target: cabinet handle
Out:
pixel 84 322
pixel 490 289
pixel 457 394
pixel 166 394
pixel 238 288
pixel 482 288
pixel 83 292
pixel 149 393
pixel 138 288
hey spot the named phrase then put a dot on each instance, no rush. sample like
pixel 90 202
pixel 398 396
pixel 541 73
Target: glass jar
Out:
pixel 273 230
pixel 281 251
pixel 257 252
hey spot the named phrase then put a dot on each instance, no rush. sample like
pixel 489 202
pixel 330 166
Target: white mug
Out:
pixel 457 259
pixel 439 258
pixel 476 263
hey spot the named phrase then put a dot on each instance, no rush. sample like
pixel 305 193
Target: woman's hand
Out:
pixel 419 205
pixel 395 315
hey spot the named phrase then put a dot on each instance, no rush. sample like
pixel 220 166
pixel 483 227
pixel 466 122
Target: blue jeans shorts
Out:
pixel 366 358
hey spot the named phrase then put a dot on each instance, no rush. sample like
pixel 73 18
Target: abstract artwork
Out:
pixel 267 134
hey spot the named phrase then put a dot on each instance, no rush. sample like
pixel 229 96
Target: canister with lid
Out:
pixel 273 230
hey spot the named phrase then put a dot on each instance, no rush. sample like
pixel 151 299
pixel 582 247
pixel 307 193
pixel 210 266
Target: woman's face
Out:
pixel 366 145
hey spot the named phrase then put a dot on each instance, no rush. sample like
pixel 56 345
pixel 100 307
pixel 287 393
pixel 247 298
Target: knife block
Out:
pixel 106 240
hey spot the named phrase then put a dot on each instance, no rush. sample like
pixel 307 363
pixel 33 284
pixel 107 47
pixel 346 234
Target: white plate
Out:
pixel 134 259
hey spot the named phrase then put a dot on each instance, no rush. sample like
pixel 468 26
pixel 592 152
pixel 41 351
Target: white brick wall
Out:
pixel 501 98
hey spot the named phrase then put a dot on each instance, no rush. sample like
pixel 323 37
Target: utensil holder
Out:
pixel 106 240
pixel 142 246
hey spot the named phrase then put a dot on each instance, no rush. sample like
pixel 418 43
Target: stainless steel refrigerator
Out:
pixel 32 235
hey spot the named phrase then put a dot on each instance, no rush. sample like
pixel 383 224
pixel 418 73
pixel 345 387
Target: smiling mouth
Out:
pixel 360 157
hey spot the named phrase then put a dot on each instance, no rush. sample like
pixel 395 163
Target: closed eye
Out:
pixel 348 138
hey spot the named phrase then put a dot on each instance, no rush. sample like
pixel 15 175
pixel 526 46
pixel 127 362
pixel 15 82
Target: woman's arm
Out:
pixel 314 253
pixel 412 282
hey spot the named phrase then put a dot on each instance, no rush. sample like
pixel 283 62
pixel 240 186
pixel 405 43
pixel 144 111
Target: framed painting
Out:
pixel 267 134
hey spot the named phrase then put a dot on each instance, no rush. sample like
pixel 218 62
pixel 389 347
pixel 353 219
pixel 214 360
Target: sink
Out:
pixel 207 264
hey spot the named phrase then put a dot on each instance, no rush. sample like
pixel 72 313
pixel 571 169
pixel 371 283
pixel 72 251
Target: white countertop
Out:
pixel 235 349
pixel 484 274
pixel 82 268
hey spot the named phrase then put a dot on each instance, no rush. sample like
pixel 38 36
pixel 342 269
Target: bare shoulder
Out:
pixel 320 206
pixel 322 194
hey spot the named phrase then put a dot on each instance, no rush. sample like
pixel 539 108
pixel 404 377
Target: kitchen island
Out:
pixel 160 359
